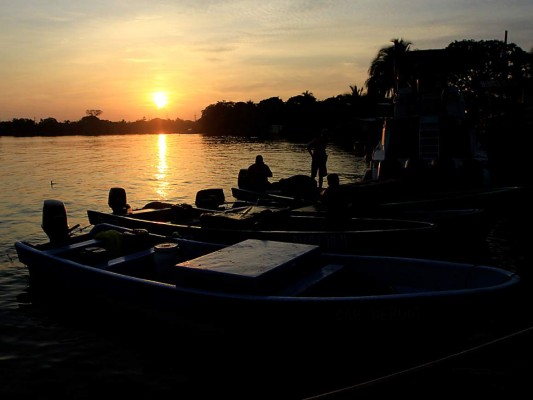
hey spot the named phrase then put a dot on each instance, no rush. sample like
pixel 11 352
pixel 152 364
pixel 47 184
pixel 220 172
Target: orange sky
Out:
pixel 63 57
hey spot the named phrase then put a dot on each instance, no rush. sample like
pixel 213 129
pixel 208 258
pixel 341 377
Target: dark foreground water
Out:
pixel 51 352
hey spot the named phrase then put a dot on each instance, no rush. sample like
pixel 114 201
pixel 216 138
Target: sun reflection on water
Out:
pixel 162 167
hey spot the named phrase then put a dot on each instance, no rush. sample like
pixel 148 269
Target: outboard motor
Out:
pixel 118 202
pixel 242 180
pixel 210 198
pixel 55 221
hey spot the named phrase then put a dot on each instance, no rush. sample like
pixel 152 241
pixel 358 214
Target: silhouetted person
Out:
pixel 330 197
pixel 319 157
pixel 258 174
pixel 333 202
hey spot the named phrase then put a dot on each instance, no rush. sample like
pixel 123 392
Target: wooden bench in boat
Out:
pixel 75 246
pixel 95 252
pixel 251 266
pixel 129 264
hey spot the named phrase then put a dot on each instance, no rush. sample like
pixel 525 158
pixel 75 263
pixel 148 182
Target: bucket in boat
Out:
pixel 165 257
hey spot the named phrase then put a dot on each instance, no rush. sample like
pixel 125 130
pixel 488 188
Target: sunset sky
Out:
pixel 59 58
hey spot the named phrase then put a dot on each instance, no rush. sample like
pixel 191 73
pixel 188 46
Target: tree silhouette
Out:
pixel 477 65
pixel 302 116
pixel 383 71
pixel 93 113
pixel 355 91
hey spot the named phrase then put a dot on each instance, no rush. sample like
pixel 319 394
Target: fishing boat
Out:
pixel 294 191
pixel 389 236
pixel 455 233
pixel 467 228
pixel 495 200
pixel 396 198
pixel 259 285
pixel 274 198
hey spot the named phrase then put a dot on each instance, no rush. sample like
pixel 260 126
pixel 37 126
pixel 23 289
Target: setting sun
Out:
pixel 160 99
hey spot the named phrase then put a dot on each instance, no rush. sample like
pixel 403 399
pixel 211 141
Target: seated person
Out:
pixel 332 199
pixel 258 174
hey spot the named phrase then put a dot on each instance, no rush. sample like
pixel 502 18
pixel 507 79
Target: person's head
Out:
pixel 259 159
pixel 333 180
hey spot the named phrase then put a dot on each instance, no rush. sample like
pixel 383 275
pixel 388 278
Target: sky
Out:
pixel 59 58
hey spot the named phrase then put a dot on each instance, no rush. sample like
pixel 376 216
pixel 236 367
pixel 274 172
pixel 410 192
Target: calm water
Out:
pixel 46 356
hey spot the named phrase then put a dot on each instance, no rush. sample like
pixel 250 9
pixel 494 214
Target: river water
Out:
pixel 46 353
pixel 50 354
pixel 43 355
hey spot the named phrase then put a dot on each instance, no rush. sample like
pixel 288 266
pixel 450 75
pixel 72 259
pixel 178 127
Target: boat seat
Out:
pixel 75 246
pixel 129 263
pixel 311 280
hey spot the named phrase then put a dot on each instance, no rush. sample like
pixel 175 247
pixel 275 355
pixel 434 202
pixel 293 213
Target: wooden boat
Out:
pixel 352 235
pixel 468 228
pixel 261 285
pixel 269 198
pixel 356 235
pixel 494 200
pixel 393 198
pixel 296 190
pixel 454 234
pixel 212 199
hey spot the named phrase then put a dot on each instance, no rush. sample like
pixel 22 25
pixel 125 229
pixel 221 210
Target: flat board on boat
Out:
pixel 249 265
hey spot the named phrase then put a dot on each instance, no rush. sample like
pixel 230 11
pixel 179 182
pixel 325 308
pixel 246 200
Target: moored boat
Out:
pixel 293 190
pixel 269 198
pixel 428 139
pixel 462 228
pixel 260 286
pixel 390 236
pixel 393 197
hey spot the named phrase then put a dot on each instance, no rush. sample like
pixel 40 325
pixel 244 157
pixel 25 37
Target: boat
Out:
pixel 495 200
pixel 273 198
pixel 469 213
pixel 363 235
pixel 468 227
pixel 427 139
pixel 395 198
pixel 389 236
pixel 212 199
pixel 294 191
pixel 428 154
pixel 265 287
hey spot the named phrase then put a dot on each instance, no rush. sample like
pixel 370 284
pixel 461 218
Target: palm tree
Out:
pixel 355 91
pixel 383 71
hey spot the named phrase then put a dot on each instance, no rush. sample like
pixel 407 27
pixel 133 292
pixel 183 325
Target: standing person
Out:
pixel 319 157
pixel 258 174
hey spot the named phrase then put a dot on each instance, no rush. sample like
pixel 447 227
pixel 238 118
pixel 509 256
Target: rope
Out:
pixel 420 367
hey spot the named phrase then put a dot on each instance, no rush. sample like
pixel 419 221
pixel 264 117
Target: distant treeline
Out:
pixel 90 125
pixel 298 118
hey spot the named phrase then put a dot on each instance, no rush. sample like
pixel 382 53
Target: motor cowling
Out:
pixel 242 181
pixel 55 223
pixel 210 198
pixel 117 200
